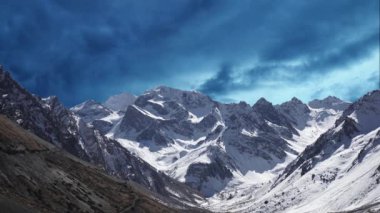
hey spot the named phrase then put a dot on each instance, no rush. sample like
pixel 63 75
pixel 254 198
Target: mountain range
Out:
pixel 183 150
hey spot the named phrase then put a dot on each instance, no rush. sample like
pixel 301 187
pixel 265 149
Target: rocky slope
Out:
pixel 294 157
pixel 50 120
pixel 218 149
pixel 196 140
pixel 340 171
pixel 35 176
pixel 47 118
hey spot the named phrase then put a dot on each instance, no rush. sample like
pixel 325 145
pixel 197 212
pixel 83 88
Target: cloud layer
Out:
pixel 231 50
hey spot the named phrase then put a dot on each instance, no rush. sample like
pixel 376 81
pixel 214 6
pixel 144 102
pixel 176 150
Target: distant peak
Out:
pixel 371 96
pixel 165 89
pixel 90 102
pixel 332 99
pixel 296 100
pixel 169 92
pixel 262 101
pixel 330 102
pixel 262 104
pixel 295 106
pixel 328 99
pixel 120 102
pixel 84 105
pixel 374 92
pixel 243 103
pixel 124 95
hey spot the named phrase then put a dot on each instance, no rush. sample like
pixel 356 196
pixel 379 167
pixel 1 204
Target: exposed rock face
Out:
pixel 330 102
pixel 47 118
pixel 91 110
pixel 268 112
pixel 322 148
pixel 81 133
pixel 200 173
pixel 187 131
pixel 342 160
pixel 296 112
pixel 271 158
pixel 164 108
pixel 35 176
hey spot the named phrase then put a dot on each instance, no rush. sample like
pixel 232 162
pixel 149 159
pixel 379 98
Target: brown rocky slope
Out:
pixel 35 176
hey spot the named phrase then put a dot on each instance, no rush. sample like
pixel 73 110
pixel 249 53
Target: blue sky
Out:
pixel 229 50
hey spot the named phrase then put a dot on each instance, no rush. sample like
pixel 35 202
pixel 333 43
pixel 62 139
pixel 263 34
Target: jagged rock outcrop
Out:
pixel 81 133
pixel 45 117
pixel 339 170
pixel 36 176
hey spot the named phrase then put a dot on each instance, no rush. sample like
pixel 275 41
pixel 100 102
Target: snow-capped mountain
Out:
pixel 294 157
pixel 47 118
pixel 80 133
pixel 36 176
pixel 91 110
pixel 340 171
pixel 218 148
pixel 312 119
pixel 120 102
pixel 330 102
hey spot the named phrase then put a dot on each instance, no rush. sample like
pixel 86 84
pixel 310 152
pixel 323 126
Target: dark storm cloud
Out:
pixel 255 77
pixel 91 48
pixel 219 84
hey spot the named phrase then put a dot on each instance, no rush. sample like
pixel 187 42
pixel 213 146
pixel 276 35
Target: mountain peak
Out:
pixel 296 100
pixel 371 96
pixel 330 102
pixel 332 99
pixel 294 103
pixel 164 89
pixel 120 102
pixel 262 105
pixel 86 105
pixel 366 111
pixel 202 143
pixel 191 99
pixel 90 102
pixel 243 104
pixel 262 102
